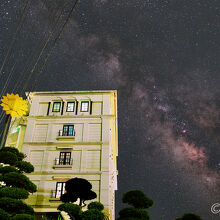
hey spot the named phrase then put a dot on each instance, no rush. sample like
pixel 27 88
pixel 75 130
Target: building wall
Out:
pixel 93 147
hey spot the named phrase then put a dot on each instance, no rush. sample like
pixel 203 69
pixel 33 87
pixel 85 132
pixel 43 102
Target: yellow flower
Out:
pixel 14 105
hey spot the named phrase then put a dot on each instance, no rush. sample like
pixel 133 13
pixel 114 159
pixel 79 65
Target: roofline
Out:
pixel 70 92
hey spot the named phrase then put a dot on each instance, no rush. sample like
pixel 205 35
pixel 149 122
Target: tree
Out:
pixel 92 214
pixel 189 216
pixel 78 188
pixel 139 201
pixel 16 185
pixel 73 210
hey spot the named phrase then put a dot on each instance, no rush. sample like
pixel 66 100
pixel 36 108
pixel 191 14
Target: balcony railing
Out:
pixel 55 194
pixel 63 161
pixel 63 134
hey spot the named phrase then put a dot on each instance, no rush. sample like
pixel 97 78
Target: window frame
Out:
pixel 63 185
pixel 68 126
pixel 54 105
pixel 66 158
pixel 82 105
pixel 73 106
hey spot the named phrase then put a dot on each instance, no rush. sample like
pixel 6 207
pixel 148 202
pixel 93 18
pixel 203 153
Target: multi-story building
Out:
pixel 65 135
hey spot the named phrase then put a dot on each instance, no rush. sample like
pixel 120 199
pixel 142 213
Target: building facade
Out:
pixel 67 135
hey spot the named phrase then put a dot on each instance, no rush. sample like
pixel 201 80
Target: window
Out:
pixel 60 189
pixel 56 106
pixel 84 106
pixel 68 130
pixel 70 106
pixel 64 158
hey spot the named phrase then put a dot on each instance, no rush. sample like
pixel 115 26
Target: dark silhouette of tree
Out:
pixel 189 216
pixel 16 185
pixel 78 188
pixel 139 201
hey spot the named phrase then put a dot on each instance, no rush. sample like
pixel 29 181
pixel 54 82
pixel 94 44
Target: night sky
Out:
pixel 163 58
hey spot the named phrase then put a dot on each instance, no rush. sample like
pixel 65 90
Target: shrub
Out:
pixel 137 199
pixel 96 205
pixel 190 216
pixel 4 215
pixel 15 206
pixel 20 155
pixel 25 166
pixel 19 180
pixel 23 217
pixel 134 213
pixel 92 214
pixel 72 209
pixel 8 158
pixel 7 169
pixel 13 192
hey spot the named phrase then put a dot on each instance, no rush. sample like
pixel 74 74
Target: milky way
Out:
pixel 163 58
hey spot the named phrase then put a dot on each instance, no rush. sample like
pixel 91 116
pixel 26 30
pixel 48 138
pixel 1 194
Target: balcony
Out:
pixel 54 196
pixel 66 135
pixel 63 162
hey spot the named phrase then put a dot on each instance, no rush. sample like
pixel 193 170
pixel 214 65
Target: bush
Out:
pixel 96 205
pixel 20 155
pixel 25 166
pixel 137 199
pixel 4 215
pixel 19 180
pixel 13 192
pixel 134 213
pixel 7 169
pixel 190 216
pixel 23 217
pixel 72 209
pixel 92 214
pixel 15 206
pixel 8 158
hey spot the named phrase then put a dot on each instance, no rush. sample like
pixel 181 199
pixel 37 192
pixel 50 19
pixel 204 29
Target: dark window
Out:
pixel 84 106
pixel 60 189
pixel 64 158
pixel 70 106
pixel 68 130
pixel 56 106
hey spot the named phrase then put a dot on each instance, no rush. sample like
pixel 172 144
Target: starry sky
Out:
pixel 163 58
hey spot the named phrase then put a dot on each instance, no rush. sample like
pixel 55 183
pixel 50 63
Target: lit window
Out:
pixel 60 189
pixel 64 158
pixel 68 130
pixel 70 106
pixel 56 106
pixel 84 106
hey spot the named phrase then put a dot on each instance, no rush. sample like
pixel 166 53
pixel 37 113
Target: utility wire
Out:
pixel 44 46
pixel 54 44
pixel 23 14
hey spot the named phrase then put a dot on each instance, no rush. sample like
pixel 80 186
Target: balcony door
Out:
pixel 60 189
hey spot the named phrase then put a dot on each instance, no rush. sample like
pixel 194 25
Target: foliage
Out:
pixel 96 205
pixel 72 209
pixel 20 155
pixel 23 217
pixel 190 216
pixel 92 214
pixel 15 179
pixel 14 192
pixel 78 188
pixel 137 199
pixel 25 166
pixel 8 158
pixel 13 206
pixel 4 215
pixel 7 169
pixel 134 213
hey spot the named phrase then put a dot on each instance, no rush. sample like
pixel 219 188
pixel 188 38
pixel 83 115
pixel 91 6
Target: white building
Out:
pixel 67 135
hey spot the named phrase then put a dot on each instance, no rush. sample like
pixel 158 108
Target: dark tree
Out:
pixel 73 210
pixel 16 185
pixel 96 205
pixel 189 216
pixel 139 201
pixel 78 188
pixel 92 214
